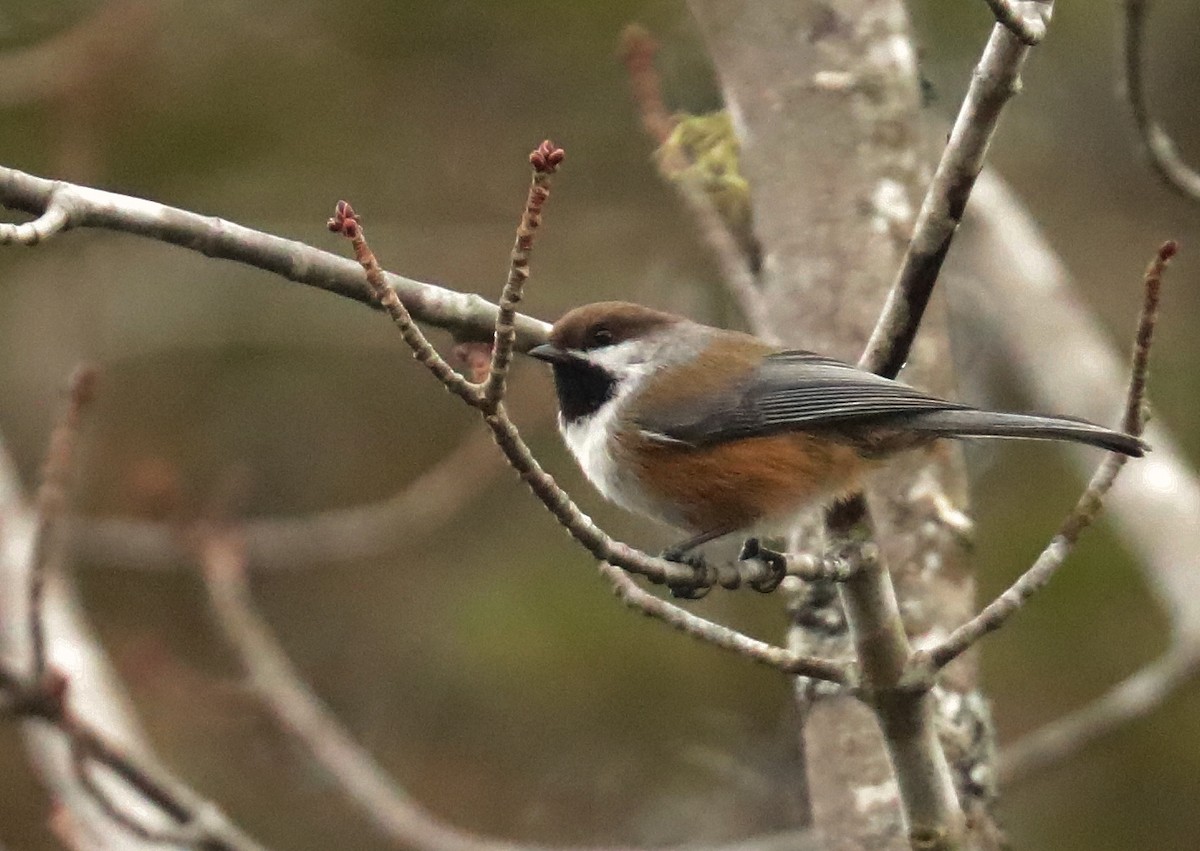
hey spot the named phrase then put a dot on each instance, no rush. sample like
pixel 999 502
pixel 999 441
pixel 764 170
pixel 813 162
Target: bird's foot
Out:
pixel 773 560
pixel 696 588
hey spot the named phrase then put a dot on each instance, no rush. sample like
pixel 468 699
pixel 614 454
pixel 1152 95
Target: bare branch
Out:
pixel 468 316
pixel 305 541
pixel 362 780
pixel 1156 144
pixel 51 499
pixel 996 613
pixel 1026 19
pixel 1030 307
pixel 995 81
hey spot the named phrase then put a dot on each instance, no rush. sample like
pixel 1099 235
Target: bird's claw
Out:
pixel 688 590
pixel 775 562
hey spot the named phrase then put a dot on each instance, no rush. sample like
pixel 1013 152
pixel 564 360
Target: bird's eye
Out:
pixel 601 336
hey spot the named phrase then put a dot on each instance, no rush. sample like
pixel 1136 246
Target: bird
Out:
pixel 714 431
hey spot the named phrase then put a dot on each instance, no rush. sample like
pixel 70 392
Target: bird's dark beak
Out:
pixel 551 354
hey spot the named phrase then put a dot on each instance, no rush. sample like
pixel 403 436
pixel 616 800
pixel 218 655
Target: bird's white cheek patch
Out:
pixel 588 441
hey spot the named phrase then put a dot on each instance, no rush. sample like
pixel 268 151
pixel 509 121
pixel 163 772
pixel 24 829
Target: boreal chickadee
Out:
pixel 715 431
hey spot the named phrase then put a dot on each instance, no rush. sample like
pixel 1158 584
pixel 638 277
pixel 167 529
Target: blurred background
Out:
pixel 482 659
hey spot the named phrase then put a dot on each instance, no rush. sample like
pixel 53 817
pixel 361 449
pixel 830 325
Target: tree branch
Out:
pixel 1157 146
pixel 995 80
pixel 467 316
pixel 1130 700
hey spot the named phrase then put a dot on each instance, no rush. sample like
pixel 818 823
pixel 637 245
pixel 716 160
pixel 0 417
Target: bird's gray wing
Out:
pixel 791 390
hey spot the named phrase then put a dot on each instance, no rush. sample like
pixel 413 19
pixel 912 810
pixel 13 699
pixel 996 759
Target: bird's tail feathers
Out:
pixel 972 423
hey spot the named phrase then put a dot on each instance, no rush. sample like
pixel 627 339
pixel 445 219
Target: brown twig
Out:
pixel 544 162
pixel 637 50
pixel 996 613
pixel 50 502
pixel 345 221
pixel 1157 146
pixel 1026 19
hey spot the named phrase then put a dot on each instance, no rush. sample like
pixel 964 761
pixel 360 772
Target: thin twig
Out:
pixel 80 760
pixel 50 501
pixel 345 221
pixel 1156 144
pixel 995 81
pixel 544 161
pixel 1134 697
pixel 320 539
pixel 996 613
pixel 637 50
pixel 1027 19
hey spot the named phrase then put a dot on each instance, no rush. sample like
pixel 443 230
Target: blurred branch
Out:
pixel 996 613
pixel 71 681
pixel 297 710
pixel 638 49
pixel 305 541
pixel 1030 305
pixel 1156 144
pixel 360 778
pixel 1133 698
pixel 467 316
pixel 50 502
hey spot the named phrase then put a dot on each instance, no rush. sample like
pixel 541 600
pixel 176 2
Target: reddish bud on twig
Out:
pixel 546 157
pixel 345 220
